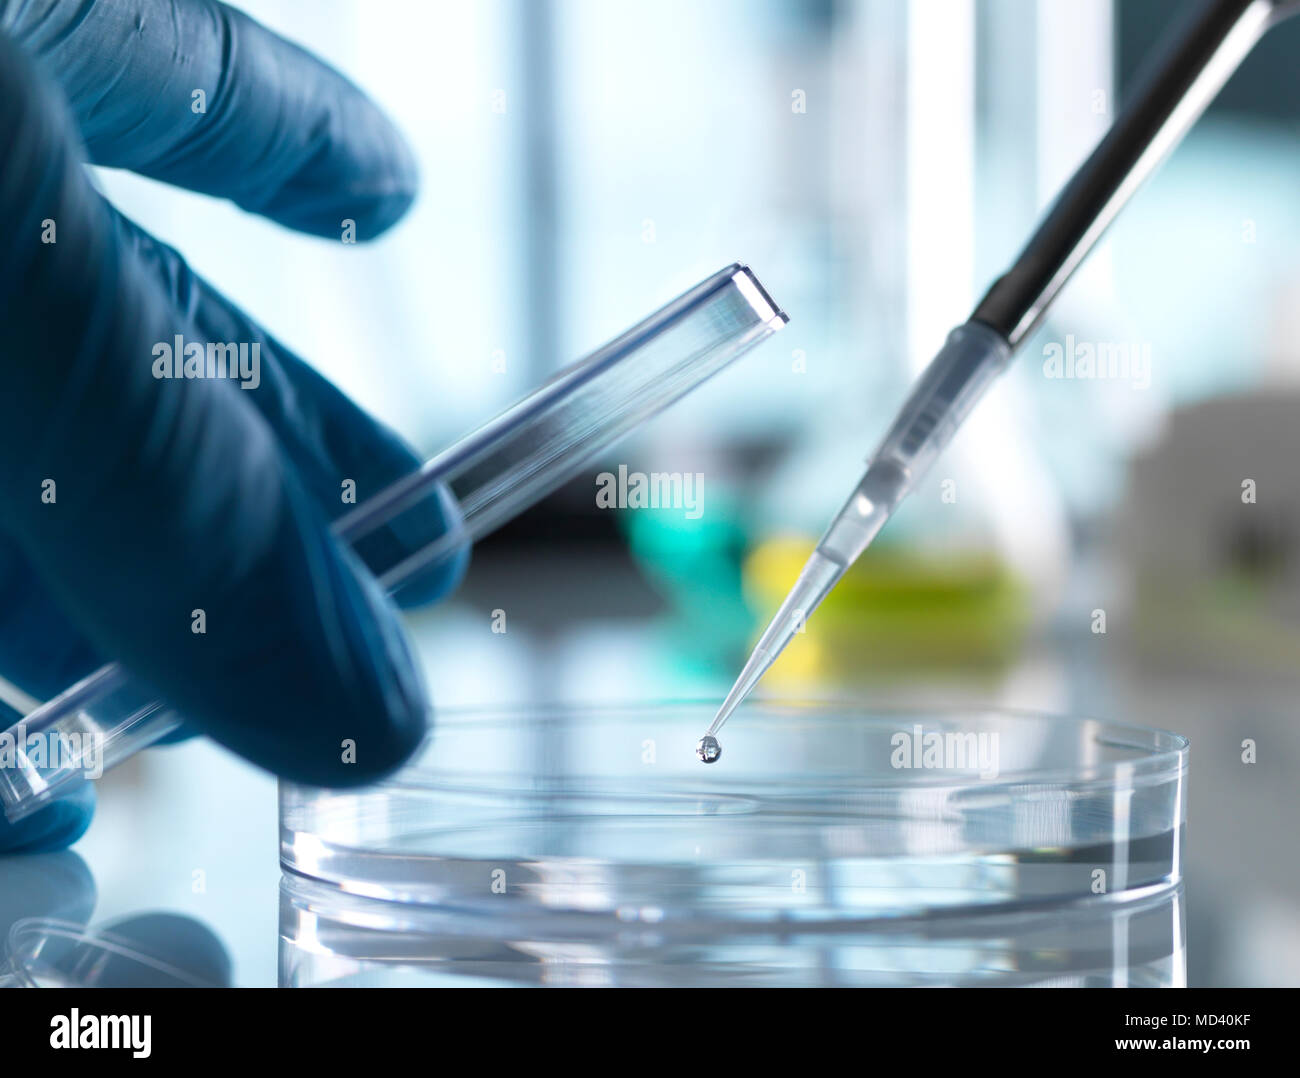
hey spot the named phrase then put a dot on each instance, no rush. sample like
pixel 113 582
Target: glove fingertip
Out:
pixel 388 730
pixel 53 828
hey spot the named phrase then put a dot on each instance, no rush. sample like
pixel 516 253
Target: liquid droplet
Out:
pixel 708 749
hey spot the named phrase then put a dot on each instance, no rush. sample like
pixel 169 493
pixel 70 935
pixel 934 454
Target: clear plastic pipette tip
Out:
pixel 851 532
pixel 972 356
pixel 819 575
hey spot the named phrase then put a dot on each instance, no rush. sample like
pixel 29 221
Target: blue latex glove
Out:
pixel 176 495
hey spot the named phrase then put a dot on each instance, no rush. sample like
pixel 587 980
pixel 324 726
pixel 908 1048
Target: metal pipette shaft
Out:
pixel 1181 79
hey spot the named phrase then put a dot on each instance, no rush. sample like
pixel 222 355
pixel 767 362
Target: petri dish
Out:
pixel 589 831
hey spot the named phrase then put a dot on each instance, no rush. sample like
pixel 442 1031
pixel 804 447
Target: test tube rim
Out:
pixel 398 496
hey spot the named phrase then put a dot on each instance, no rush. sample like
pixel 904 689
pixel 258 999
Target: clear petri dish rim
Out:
pixel 1159 755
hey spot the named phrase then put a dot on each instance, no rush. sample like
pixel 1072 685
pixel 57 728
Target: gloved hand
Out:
pixel 177 495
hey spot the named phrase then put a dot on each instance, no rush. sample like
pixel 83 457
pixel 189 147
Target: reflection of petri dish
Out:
pixel 810 818
pixel 45 952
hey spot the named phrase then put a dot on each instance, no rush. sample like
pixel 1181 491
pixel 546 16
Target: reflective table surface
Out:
pixel 180 871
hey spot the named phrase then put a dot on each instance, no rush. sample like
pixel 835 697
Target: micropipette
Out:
pixel 1180 81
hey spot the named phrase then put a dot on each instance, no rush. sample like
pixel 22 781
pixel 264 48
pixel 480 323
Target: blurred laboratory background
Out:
pixel 1115 538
